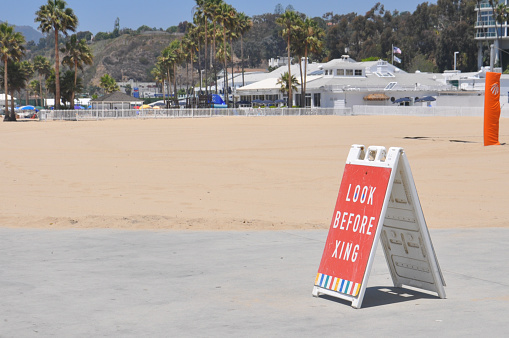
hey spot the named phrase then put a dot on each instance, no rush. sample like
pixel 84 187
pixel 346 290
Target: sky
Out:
pixel 99 16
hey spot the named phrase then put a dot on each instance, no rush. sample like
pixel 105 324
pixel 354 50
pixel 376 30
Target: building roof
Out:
pixel 271 83
pixel 116 97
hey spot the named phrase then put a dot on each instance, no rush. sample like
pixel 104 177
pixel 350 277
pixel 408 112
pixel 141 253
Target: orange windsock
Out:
pixel 491 108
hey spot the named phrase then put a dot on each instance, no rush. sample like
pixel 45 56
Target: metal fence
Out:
pixel 90 114
pixel 80 115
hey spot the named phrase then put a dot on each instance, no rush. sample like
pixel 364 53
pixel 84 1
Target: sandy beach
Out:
pixel 238 173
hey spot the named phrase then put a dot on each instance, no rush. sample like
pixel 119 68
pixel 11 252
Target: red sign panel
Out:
pixel 353 228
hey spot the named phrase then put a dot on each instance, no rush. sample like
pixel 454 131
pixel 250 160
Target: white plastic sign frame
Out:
pixel 401 227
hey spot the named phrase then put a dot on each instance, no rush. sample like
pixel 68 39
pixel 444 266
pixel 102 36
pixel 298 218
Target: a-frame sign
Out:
pixel 377 200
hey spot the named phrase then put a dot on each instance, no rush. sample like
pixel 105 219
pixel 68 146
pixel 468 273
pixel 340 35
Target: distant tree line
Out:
pixel 427 36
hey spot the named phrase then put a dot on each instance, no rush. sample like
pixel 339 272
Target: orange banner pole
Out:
pixel 491 109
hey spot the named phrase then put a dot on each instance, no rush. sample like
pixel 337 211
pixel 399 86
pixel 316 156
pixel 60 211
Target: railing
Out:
pixel 479 24
pixel 90 114
pixel 82 115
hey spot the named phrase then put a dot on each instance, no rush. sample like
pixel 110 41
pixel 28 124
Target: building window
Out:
pixel 349 72
pixel 340 72
pixel 316 99
pixel 308 100
pixel 358 72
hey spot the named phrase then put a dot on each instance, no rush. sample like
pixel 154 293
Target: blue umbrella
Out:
pixel 280 101
pixel 425 99
pixel 27 108
pixel 78 107
pixel 403 99
pixel 257 101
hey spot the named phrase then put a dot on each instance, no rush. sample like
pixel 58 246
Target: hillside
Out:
pixel 126 57
pixel 30 33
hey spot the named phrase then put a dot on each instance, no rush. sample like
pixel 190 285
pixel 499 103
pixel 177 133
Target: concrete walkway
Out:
pixel 89 283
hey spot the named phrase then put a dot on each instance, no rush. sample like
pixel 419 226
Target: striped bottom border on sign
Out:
pixel 337 284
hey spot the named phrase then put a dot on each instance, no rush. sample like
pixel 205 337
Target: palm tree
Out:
pixel 27 68
pixel 201 15
pixel 59 18
pixel 193 45
pixel 17 81
pixel 308 39
pixel 158 73
pixel 188 47
pixel 77 54
pixel 43 68
pixel 11 49
pixel 226 14
pixel 289 21
pixel 180 57
pixel 244 25
pixel 70 85
pixel 215 14
pixel 33 87
pixel 233 33
pixel 109 84
pixel 312 43
pixel 166 61
pixel 287 83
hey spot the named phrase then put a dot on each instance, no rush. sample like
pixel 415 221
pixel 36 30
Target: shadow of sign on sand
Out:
pixel 382 295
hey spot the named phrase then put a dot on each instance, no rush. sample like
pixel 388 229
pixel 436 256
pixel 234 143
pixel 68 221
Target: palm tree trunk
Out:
pixel 187 84
pixel 26 93
pixel 305 70
pixel 206 68
pixel 175 98
pixel 233 71
pixel 192 76
pixel 57 73
pixel 40 89
pixel 290 101
pixel 13 113
pixel 6 89
pixel 169 84
pixel 162 90
pixel 225 69
pixel 75 80
pixel 214 55
pixel 302 100
pixel 242 57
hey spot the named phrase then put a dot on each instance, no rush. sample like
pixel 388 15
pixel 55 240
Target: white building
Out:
pixel 487 30
pixel 344 83
pixel 2 100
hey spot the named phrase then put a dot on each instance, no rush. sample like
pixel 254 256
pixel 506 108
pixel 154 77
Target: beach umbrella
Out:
pixel 145 106
pixel 27 108
pixel 243 102
pixel 267 102
pixel 425 99
pixel 257 101
pixel 280 101
pixel 403 99
pixel 78 107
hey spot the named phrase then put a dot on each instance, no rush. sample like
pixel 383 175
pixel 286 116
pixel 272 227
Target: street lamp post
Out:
pixel 455 53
